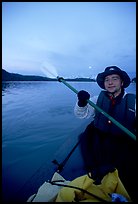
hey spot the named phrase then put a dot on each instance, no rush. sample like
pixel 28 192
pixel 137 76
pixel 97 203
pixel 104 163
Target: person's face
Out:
pixel 113 83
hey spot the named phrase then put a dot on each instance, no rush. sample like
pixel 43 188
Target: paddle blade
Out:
pixel 49 70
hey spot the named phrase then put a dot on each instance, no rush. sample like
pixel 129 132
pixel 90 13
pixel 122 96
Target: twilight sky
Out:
pixel 76 38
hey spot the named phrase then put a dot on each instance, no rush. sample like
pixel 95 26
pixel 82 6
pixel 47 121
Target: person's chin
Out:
pixel 111 90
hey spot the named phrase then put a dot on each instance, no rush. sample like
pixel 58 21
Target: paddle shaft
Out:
pixel 60 79
pixel 61 165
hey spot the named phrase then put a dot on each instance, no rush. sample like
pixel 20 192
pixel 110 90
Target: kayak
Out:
pixel 82 189
pixel 58 180
pixel 68 180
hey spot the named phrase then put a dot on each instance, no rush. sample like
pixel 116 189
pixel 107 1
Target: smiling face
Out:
pixel 113 84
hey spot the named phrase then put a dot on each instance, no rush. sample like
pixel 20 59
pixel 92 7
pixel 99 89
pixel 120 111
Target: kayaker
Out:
pixel 104 145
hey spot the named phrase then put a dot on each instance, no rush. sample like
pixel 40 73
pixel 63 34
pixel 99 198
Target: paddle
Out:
pixel 54 74
pixel 62 164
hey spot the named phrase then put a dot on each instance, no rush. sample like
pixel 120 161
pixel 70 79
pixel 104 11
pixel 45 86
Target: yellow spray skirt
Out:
pixel 110 183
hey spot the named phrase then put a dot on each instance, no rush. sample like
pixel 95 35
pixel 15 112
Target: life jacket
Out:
pixel 123 111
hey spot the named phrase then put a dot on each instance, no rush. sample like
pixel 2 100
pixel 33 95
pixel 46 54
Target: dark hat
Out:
pixel 113 70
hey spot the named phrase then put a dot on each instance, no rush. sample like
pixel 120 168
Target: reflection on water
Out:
pixel 9 85
pixel 6 85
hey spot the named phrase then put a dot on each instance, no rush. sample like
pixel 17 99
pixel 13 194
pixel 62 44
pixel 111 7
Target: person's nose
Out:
pixel 110 81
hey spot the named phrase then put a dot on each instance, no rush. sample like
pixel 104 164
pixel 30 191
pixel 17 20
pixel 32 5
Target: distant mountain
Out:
pixel 6 76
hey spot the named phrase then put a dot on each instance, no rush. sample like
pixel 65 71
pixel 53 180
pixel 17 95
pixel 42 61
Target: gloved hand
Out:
pixel 97 174
pixel 83 96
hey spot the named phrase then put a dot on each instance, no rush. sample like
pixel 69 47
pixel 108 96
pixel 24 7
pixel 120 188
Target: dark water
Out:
pixel 38 125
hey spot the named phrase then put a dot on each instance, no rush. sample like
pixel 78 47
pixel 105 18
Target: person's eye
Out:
pixel 115 78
